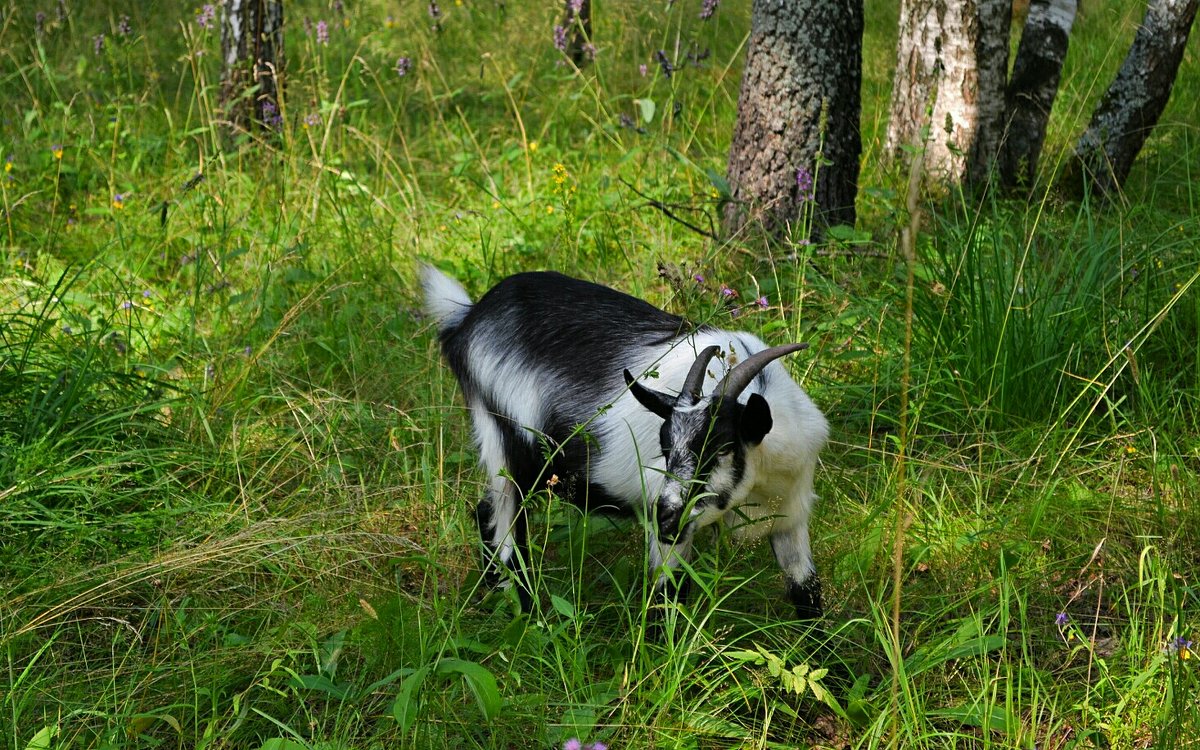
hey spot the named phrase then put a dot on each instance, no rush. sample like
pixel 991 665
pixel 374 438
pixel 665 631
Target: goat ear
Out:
pixel 756 420
pixel 659 403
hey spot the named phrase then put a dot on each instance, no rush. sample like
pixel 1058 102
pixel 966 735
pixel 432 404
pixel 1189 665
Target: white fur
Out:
pixel 503 493
pixel 777 487
pixel 445 299
pixel 510 383
pixel 773 497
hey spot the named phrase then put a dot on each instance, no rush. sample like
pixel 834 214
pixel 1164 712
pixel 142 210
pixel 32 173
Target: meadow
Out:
pixel 236 479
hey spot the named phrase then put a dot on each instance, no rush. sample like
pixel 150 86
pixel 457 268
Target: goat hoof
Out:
pixel 806 598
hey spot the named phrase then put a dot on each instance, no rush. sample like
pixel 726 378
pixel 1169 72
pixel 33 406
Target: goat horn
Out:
pixel 695 377
pixel 736 380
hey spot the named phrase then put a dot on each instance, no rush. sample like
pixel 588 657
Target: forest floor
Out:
pixel 237 481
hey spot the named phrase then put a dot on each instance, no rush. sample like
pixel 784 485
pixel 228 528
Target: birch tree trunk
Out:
pixel 1133 103
pixel 799 102
pixel 252 55
pixel 577 20
pixel 1033 88
pixel 951 61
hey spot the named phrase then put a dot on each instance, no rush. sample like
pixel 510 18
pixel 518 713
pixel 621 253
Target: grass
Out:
pixel 236 480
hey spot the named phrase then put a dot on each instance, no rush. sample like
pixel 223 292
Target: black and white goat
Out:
pixel 694 438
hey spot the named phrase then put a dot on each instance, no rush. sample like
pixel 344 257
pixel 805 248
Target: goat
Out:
pixel 543 358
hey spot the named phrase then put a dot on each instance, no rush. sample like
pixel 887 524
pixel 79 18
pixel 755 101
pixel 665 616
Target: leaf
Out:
pixel 481 682
pixel 404 709
pixel 964 643
pixel 994 719
pixel 818 690
pixel 753 657
pixel 331 650
pixel 279 743
pixel 562 606
pixel 43 738
pixel 646 108
pixel 718 181
pixel 321 684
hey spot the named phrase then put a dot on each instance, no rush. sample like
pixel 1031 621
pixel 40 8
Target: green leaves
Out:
pixel 479 679
pixel 966 642
pixel 646 109
pixel 798 679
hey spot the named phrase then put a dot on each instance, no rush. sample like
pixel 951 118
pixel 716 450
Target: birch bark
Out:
pixel 1133 103
pixel 252 56
pixel 1033 88
pixel 952 63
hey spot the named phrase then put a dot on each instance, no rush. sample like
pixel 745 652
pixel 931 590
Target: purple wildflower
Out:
pixel 643 70
pixel 572 744
pixel 146 294
pixel 699 278
pixel 576 7
pixel 727 293
pixel 560 38
pixel 709 7
pixel 126 305
pixel 589 49
pixel 206 16
pixel 98 44
pixel 322 32
pixel 664 63
pixel 1061 619
pixel 804 185
pixel 123 26
pixel 403 65
pixel 597 746
pixel 762 302
pixel 270 114
pixel 312 120
pixel 39 23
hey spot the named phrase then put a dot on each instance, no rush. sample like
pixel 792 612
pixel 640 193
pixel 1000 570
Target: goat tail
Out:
pixel 446 302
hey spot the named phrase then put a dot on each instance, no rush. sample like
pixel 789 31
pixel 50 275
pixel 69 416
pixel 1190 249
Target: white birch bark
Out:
pixel 252 55
pixel 1136 99
pixel 1033 88
pixel 951 61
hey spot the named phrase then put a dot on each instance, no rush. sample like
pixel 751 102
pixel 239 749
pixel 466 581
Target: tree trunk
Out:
pixel 798 116
pixel 991 61
pixel 252 52
pixel 577 20
pixel 1133 103
pixel 951 61
pixel 1033 87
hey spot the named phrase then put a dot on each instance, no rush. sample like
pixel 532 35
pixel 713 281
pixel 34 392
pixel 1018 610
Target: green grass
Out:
pixel 236 480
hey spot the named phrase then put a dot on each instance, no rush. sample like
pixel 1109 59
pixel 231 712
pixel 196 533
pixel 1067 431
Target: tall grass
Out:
pixel 236 480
